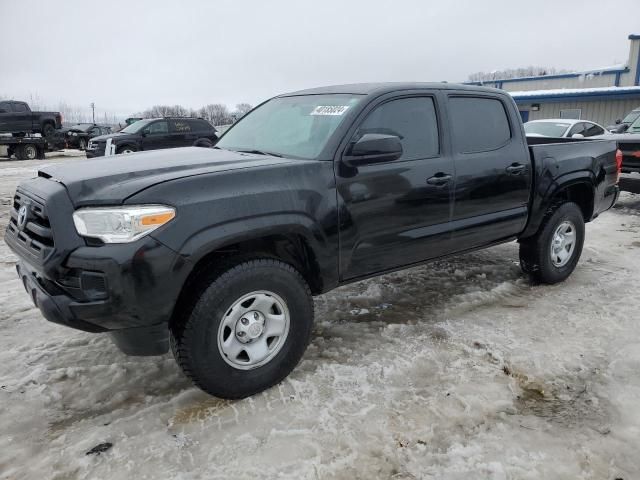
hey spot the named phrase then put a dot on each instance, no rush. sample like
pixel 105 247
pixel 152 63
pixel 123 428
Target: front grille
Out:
pixel 34 234
pixel 92 146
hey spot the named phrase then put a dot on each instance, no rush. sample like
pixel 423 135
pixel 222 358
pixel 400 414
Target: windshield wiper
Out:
pixel 260 152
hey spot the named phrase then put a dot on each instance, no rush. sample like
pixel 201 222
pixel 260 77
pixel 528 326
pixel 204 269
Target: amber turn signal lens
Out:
pixel 159 219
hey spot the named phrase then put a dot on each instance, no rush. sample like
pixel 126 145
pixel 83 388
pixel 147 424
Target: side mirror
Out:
pixel 577 135
pixel 618 122
pixel 373 148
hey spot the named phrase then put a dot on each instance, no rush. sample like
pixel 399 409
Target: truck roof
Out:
pixel 386 87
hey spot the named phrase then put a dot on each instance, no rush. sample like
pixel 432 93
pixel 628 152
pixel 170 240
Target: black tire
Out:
pixel 48 130
pixel 126 148
pixel 26 152
pixel 194 339
pixel 535 252
pixel 203 142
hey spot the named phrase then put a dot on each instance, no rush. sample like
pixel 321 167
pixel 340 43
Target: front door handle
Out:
pixel 439 179
pixel 515 168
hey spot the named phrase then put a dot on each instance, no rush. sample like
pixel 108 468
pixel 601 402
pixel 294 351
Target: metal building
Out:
pixel 601 95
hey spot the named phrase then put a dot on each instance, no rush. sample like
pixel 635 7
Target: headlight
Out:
pixel 121 224
pixel 74 134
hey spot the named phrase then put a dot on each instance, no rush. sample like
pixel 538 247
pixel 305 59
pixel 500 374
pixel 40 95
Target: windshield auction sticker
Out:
pixel 329 110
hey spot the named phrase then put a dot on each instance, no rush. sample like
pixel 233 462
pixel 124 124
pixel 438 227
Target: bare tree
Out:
pixel 242 109
pixel 216 113
pixel 530 71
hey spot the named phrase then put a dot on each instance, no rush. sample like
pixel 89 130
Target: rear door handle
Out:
pixel 439 179
pixel 515 168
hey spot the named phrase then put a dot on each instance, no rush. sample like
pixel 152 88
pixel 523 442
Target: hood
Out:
pixel 115 136
pixel 111 180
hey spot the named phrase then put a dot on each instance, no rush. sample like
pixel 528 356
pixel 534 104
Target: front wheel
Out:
pixel 127 149
pixel 553 253
pixel 247 330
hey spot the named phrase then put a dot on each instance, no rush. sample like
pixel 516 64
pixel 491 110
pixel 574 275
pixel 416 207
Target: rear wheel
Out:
pixel 553 253
pixel 26 152
pixel 48 129
pixel 247 330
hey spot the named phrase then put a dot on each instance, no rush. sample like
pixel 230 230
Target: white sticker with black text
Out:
pixel 329 110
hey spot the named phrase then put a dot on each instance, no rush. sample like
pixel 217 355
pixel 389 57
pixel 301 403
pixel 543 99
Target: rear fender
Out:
pixel 543 200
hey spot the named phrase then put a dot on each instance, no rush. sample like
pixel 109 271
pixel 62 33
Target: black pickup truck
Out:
pixel 17 118
pixel 217 252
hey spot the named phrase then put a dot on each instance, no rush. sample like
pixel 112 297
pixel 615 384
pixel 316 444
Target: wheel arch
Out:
pixel 577 187
pixel 289 245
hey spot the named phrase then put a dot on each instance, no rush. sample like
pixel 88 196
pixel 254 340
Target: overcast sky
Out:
pixel 129 55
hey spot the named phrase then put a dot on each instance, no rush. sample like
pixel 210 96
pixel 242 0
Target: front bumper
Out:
pixel 97 151
pixel 127 289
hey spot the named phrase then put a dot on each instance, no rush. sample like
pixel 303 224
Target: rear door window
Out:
pixel 593 129
pixel 478 124
pixel 181 126
pixel 577 129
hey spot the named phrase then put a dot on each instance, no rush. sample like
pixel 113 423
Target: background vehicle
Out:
pixel 563 128
pixel 17 118
pixel 622 126
pixel 78 136
pixel 155 134
pixel 219 250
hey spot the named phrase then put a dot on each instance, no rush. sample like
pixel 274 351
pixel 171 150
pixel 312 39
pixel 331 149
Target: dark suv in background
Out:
pixel 155 134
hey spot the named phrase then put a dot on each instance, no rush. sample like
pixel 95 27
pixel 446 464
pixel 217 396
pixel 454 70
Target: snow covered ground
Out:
pixel 459 369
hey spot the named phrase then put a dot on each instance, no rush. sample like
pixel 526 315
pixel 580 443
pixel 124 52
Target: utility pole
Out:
pixel 93 111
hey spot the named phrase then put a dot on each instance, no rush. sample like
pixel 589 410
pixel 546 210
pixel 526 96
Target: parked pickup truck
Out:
pixel 217 252
pixel 17 118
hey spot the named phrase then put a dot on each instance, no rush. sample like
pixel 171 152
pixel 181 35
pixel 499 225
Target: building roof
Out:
pixel 561 94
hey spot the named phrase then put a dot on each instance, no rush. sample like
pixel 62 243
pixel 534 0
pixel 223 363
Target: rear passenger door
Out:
pixel 182 133
pixel 493 170
pixel 397 212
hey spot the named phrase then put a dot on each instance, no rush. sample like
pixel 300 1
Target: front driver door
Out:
pixel 156 136
pixel 396 213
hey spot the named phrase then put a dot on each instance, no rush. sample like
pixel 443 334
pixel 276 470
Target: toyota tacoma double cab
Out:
pixel 17 118
pixel 217 252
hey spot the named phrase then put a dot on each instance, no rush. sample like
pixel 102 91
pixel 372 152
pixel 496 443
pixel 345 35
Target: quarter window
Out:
pixel 478 124
pixel 413 120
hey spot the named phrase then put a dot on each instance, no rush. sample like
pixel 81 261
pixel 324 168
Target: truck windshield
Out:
pixel 297 127
pixel 635 126
pixel 546 129
pixel 631 117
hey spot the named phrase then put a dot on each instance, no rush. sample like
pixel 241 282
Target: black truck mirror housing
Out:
pixel 373 148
